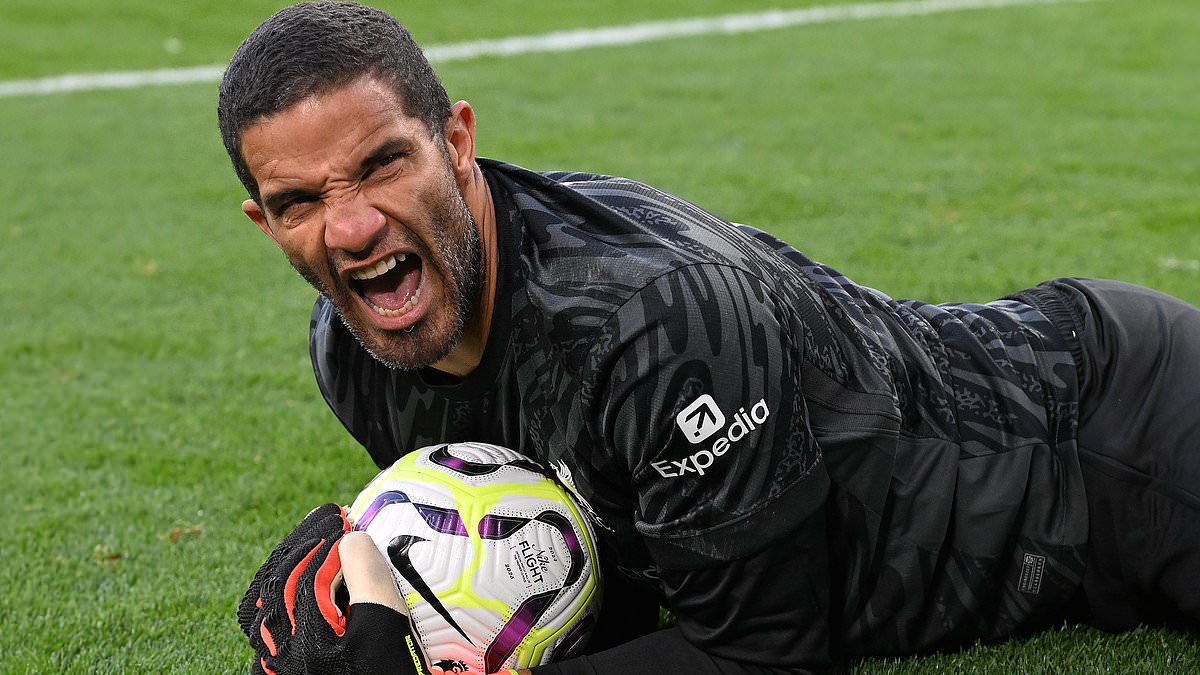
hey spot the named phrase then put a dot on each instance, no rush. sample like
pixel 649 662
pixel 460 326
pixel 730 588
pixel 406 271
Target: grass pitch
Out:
pixel 161 430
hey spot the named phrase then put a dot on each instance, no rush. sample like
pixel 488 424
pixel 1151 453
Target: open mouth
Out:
pixel 392 287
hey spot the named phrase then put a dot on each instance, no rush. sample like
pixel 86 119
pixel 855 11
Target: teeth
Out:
pixel 380 267
pixel 398 312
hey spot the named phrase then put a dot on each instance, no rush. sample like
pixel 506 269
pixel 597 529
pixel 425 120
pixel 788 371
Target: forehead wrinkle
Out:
pixel 360 113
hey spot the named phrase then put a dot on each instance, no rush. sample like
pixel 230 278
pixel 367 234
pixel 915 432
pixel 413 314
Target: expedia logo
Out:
pixel 701 420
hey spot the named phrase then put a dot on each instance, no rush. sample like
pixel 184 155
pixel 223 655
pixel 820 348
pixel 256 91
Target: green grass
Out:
pixel 161 428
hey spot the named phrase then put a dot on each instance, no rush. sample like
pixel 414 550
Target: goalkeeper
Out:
pixel 802 469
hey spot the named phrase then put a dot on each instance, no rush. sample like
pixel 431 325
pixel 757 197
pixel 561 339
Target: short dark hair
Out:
pixel 312 48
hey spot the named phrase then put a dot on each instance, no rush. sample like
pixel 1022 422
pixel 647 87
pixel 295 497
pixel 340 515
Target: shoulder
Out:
pixel 588 244
pixel 576 215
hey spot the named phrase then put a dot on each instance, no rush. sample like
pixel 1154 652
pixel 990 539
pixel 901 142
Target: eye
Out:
pixel 297 203
pixel 295 210
pixel 387 164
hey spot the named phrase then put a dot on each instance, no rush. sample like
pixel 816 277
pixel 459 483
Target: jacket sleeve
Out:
pixel 765 614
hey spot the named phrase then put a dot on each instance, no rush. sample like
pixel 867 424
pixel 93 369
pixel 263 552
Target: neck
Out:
pixel 467 354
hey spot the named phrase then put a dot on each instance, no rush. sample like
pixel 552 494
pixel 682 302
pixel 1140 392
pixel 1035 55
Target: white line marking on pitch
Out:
pixel 1180 264
pixel 562 41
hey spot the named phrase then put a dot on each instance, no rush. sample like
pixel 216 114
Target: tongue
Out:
pixel 393 289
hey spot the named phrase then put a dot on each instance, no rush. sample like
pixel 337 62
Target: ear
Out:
pixel 255 213
pixel 460 141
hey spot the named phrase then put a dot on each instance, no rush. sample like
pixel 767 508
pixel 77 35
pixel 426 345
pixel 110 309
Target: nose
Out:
pixel 352 224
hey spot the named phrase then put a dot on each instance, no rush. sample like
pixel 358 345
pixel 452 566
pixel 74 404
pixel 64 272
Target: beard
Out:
pixel 456 256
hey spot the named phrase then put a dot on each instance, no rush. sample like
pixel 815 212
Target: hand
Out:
pixel 378 633
pixel 267 613
pixel 292 611
pixel 368 577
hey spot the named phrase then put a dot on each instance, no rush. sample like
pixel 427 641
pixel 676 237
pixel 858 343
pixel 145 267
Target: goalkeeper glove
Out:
pixel 293 618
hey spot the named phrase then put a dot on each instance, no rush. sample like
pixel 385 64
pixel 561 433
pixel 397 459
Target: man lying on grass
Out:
pixel 802 469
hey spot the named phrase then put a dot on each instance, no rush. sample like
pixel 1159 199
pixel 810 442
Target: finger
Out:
pixel 367 574
pixel 323 521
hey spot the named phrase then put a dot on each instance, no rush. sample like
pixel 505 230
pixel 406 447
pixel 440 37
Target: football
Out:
pixel 492 557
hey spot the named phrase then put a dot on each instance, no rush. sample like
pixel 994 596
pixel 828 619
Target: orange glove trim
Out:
pixel 326 575
pixel 289 589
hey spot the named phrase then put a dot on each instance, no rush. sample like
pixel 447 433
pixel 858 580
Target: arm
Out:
pixel 765 614
pixel 731 515
pixel 370 586
pixel 770 594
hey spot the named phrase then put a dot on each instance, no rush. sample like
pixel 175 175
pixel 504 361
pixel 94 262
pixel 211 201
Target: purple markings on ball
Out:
pixel 446 521
pixel 523 620
pixel 381 500
pixel 493 526
pixel 442 457
pixel 573 545
pixel 563 525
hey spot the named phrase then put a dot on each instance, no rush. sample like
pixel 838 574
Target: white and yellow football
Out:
pixel 494 560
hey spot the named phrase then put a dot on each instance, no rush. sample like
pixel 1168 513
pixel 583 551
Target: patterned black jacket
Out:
pixel 801 468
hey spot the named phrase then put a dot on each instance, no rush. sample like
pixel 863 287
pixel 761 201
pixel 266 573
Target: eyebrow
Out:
pixel 276 202
pixel 388 147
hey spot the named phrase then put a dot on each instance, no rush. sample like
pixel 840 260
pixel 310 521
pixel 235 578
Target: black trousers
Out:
pixel 1139 445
